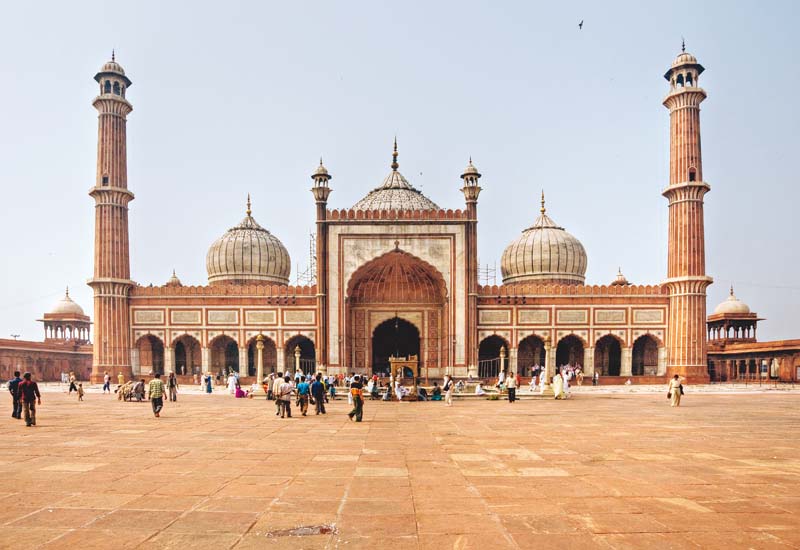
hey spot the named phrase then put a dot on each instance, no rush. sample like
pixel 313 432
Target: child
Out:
pixel 80 392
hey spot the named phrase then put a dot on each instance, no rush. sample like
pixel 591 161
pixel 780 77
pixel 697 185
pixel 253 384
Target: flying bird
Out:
pixel 580 25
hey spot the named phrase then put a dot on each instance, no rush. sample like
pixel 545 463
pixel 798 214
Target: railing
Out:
pixel 489 368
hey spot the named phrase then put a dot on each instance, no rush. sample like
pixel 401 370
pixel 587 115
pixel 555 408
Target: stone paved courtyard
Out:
pixel 598 471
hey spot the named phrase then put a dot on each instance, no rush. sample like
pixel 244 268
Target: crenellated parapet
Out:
pixel 549 290
pixel 393 215
pixel 268 291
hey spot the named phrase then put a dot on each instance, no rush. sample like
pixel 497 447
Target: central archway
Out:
pixel 395 338
pixel 397 288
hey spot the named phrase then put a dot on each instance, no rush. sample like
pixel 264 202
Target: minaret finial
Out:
pixel 731 289
pixel 683 44
pixel 248 206
pixel 395 166
pixel 113 55
pixel 320 160
pixel 67 291
pixel 542 209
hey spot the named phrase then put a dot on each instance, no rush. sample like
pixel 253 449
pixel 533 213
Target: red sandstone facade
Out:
pixel 397 278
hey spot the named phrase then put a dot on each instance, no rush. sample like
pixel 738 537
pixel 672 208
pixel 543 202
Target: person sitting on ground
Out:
pixel 238 392
pixel 138 390
pixel 422 394
pixel 460 386
pixel 437 392
pixel 479 389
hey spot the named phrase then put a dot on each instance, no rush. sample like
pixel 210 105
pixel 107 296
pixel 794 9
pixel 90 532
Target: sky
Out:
pixel 235 97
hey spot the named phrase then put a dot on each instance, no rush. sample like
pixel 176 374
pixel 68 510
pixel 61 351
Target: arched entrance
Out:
pixel 308 355
pixel 608 356
pixel 224 355
pixel 395 338
pixel 569 351
pixel 530 354
pixel 188 359
pixel 645 356
pixel 489 356
pixel 151 354
pixel 398 286
pixel 269 355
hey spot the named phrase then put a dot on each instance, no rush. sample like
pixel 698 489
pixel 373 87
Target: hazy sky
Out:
pixel 235 97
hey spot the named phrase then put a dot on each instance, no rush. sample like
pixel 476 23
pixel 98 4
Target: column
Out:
pixel 627 360
pixel 588 362
pixel 662 361
pixel 169 360
pixel 280 359
pixel 205 360
pixel 549 369
pixel 512 361
pixel 243 369
pixel 296 359
pixel 135 367
pixel 502 359
pixel 259 365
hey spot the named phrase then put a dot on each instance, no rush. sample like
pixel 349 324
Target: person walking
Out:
pixel 285 396
pixel 156 392
pixel 357 392
pixel 72 386
pixel 595 378
pixel 28 393
pixel 172 387
pixel 318 393
pixel 511 385
pixel 80 392
pixel 303 393
pixel 276 393
pixel 13 385
pixel 674 391
pixel 448 390
pixel 106 383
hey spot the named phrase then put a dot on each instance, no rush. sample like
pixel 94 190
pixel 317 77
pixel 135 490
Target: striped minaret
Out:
pixel 686 263
pixel 111 281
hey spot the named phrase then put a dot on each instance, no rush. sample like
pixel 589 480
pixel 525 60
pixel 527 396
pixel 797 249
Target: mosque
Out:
pixel 397 283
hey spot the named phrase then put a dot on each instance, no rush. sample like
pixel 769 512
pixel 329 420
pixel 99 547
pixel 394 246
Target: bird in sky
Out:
pixel 580 25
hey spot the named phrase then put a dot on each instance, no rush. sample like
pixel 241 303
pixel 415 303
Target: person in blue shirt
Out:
pixel 13 384
pixel 303 393
pixel 318 393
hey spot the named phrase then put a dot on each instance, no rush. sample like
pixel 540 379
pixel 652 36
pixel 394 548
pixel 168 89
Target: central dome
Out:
pixel 248 254
pixel 544 253
pixel 395 193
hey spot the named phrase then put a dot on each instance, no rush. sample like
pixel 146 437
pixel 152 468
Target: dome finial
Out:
pixel 731 289
pixel 395 166
pixel 67 293
pixel 113 55
pixel 542 209
pixel 248 206
pixel 683 44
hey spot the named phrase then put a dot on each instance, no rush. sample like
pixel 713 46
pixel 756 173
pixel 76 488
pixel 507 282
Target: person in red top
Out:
pixel 28 393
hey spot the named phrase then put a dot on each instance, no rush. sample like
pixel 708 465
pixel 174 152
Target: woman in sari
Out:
pixel 208 383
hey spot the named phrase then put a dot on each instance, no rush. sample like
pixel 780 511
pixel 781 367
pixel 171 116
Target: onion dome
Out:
pixel 174 281
pixel 544 252
pixel 732 305
pixel 112 68
pixel 395 193
pixel 620 279
pixel 248 254
pixel 684 60
pixel 66 306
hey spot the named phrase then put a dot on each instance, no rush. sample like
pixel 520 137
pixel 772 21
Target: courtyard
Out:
pixel 602 470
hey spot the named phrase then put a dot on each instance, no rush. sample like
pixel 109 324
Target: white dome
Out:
pixel 395 193
pixel 544 252
pixel 248 254
pixel 66 306
pixel 732 305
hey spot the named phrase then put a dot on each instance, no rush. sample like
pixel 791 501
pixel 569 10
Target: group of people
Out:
pixel 306 390
pixel 25 396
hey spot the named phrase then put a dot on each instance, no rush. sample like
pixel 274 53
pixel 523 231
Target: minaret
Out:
pixel 321 191
pixel 111 281
pixel 471 190
pixel 686 264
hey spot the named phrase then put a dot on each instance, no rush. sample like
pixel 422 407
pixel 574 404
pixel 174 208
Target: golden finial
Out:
pixel 395 166
pixel 248 206
pixel 542 209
